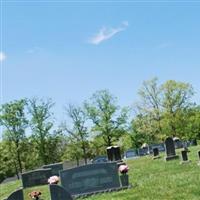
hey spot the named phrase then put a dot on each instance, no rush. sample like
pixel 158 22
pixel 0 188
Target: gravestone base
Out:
pixel 124 179
pixel 155 157
pixel 167 158
pixel 185 162
pixel 85 195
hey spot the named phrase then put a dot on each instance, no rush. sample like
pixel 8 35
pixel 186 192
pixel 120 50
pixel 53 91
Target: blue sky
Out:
pixel 66 51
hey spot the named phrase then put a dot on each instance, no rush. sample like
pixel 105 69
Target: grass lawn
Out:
pixel 151 180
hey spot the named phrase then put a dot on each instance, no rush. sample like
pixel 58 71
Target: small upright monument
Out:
pixel 199 158
pixel 184 157
pixel 156 153
pixel 113 153
pixel 170 149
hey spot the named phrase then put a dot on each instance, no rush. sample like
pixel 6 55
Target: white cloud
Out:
pixel 106 33
pixel 2 56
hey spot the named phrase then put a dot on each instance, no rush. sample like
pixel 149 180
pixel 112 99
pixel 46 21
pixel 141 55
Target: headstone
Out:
pixel 57 192
pixel 110 153
pixel 199 155
pixel 184 155
pixel 117 153
pixel 156 153
pixel 90 178
pixel 131 153
pixel 36 177
pixel 170 149
pixel 55 168
pixel 143 151
pixel 194 142
pixel 113 153
pixel 198 158
pixel 17 195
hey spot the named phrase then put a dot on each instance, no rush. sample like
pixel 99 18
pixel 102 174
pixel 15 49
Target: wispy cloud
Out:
pixel 2 56
pixel 106 33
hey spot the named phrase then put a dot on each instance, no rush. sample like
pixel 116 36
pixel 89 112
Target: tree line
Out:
pixel 30 140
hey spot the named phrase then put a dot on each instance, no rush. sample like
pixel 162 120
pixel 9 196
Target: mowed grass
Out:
pixel 151 180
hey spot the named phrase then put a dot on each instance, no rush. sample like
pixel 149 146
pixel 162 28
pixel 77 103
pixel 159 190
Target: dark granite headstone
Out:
pixel 55 168
pixel 113 153
pixel 143 151
pixel 199 155
pixel 170 149
pixel 110 153
pixel 155 152
pixel 117 153
pixel 131 153
pixel 184 155
pixel 90 178
pixel 17 195
pixel 36 177
pixel 57 192
pixel 194 142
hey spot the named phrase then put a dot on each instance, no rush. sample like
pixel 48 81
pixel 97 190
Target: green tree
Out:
pixel 72 151
pixel 163 110
pixel 149 110
pixel 7 166
pixel 13 119
pixel 78 132
pixel 176 101
pixel 41 125
pixel 192 119
pixel 108 119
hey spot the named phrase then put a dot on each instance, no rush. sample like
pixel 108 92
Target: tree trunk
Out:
pixel 109 141
pixel 84 153
pixel 16 170
pixel 18 157
pixel 77 161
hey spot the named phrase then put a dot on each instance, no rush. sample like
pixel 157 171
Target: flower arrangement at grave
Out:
pixel 123 169
pixel 35 195
pixel 53 180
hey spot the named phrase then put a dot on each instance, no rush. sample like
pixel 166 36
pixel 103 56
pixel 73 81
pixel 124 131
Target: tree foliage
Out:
pixel 41 125
pixel 164 110
pixel 78 133
pixel 13 119
pixel 107 121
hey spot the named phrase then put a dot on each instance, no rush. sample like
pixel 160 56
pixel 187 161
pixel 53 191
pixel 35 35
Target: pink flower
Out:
pixel 53 180
pixel 123 169
pixel 35 194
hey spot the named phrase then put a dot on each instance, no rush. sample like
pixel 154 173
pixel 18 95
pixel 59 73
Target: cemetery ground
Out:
pixel 151 180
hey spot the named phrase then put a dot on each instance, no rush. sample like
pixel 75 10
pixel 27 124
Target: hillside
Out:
pixel 151 180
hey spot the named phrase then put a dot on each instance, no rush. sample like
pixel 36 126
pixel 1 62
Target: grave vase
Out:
pixel 124 180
